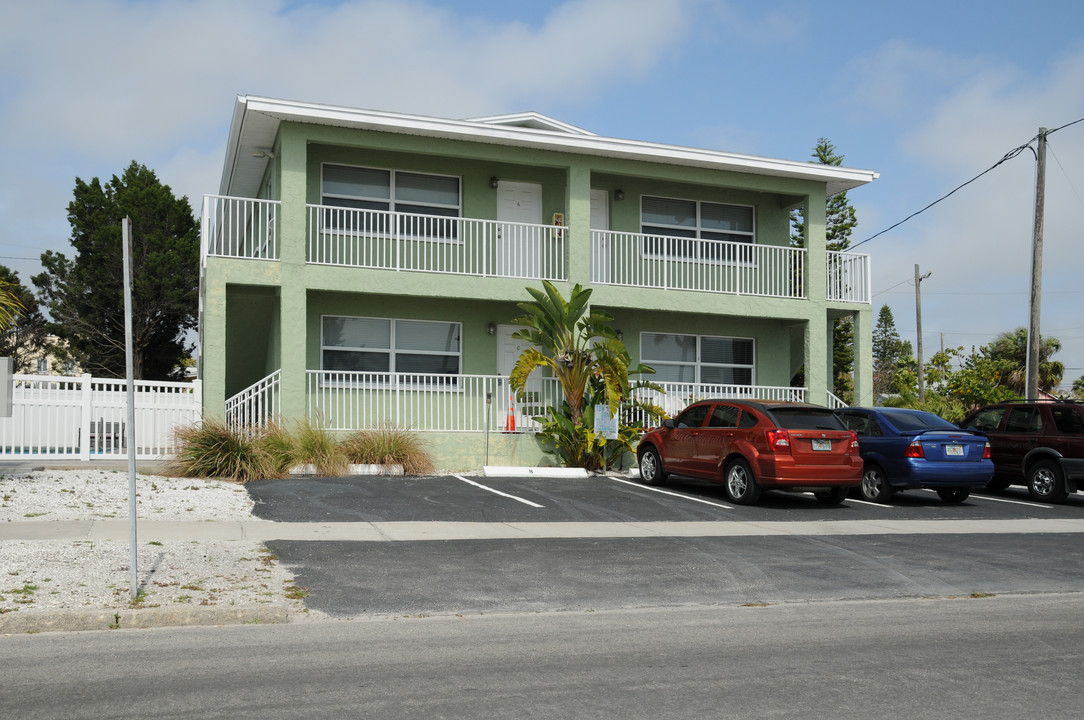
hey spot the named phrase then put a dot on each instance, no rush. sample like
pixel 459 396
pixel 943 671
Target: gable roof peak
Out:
pixel 533 121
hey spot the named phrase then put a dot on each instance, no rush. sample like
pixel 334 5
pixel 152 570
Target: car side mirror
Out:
pixel 668 423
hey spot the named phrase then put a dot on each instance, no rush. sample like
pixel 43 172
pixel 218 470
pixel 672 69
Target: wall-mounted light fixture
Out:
pixel 263 153
pixel 493 182
pixel 619 194
pixel 491 329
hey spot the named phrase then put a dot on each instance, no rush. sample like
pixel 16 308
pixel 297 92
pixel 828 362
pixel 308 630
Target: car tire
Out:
pixel 739 483
pixel 832 496
pixel 954 495
pixel 651 470
pixel 875 487
pixel 1046 483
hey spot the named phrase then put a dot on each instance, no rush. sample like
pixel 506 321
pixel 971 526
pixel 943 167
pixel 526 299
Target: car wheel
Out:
pixel 834 496
pixel 651 472
pixel 954 495
pixel 1046 482
pixel 875 487
pixel 741 486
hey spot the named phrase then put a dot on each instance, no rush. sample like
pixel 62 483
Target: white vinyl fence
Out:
pixel 84 418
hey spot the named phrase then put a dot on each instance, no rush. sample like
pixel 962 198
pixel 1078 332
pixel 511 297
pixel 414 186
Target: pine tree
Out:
pixel 84 295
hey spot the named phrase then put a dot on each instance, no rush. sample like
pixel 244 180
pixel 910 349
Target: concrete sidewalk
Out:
pixel 263 530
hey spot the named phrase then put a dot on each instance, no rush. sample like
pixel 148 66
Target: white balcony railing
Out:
pixel 653 261
pixel 848 277
pixel 239 228
pixel 475 403
pixel 432 243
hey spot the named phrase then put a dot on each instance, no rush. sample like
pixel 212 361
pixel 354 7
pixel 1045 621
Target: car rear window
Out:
pixel 796 418
pixel 906 421
pixel 1068 420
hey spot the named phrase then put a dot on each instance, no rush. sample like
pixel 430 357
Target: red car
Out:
pixel 755 445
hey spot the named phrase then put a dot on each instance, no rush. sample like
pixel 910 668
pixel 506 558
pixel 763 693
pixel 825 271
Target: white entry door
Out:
pixel 600 243
pixel 519 247
pixel 514 412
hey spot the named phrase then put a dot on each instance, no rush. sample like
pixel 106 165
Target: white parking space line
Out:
pixel 1004 500
pixel 871 504
pixel 498 492
pixel 667 492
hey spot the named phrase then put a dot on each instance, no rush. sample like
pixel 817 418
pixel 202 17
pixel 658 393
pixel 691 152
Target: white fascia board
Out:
pixel 838 179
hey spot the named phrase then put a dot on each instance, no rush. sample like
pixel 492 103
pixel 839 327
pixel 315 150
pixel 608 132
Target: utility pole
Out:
pixel 1034 337
pixel 918 321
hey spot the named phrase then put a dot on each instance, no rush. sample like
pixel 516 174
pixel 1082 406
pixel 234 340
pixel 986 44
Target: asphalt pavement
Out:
pixel 373 546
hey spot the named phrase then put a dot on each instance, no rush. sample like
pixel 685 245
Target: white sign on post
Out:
pixel 605 423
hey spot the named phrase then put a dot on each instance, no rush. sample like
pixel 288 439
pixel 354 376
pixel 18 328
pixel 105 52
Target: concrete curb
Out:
pixel 36 621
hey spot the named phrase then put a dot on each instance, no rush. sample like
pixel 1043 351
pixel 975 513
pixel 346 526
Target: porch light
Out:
pixel 493 182
pixel 491 329
pixel 264 154
pixel 619 194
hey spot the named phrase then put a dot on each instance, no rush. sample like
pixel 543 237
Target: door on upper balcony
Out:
pixel 600 246
pixel 520 236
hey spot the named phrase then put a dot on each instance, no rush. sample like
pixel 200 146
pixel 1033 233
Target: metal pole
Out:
pixel 1031 392
pixel 918 322
pixel 126 251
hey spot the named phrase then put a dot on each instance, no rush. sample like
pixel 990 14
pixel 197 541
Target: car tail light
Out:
pixel 914 450
pixel 854 442
pixel 778 440
pixel 986 452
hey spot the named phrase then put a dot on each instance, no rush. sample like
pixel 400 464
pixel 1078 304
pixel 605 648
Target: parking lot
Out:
pixel 605 549
pixel 462 498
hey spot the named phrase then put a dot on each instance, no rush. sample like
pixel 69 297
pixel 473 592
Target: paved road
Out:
pixel 707 552
pixel 992 658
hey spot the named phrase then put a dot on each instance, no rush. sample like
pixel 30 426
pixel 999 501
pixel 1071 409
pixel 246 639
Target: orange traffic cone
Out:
pixel 510 423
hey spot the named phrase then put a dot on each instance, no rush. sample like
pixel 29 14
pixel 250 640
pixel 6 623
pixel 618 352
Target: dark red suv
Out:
pixel 1038 444
pixel 755 445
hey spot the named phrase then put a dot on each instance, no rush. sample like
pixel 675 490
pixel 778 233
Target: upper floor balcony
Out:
pixel 410 242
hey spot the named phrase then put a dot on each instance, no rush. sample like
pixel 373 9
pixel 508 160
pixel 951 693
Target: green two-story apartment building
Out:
pixel 362 268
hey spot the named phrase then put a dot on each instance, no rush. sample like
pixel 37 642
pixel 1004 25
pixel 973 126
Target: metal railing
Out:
pixel 239 228
pixel 257 405
pixel 848 276
pixel 85 418
pixel 655 261
pixel 431 243
pixel 677 396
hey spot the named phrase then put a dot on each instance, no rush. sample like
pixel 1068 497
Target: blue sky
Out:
pixel 929 94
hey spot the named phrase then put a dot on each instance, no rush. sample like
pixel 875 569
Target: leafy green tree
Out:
pixel 840 221
pixel 10 307
pixel 581 349
pixel 84 295
pixel 1078 387
pixel 1012 347
pixel 24 337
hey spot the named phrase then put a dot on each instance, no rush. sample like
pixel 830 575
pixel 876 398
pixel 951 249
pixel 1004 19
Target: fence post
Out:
pixel 85 419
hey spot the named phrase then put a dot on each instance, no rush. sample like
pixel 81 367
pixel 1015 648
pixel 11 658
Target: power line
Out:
pixel 1006 157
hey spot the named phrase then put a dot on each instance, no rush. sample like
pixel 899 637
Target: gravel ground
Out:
pixel 82 574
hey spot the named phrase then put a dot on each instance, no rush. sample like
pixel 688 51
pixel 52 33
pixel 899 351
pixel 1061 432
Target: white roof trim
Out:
pixel 247 134
pixel 532 120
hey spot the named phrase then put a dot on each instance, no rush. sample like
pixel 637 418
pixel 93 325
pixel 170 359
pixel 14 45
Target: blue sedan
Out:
pixel 905 449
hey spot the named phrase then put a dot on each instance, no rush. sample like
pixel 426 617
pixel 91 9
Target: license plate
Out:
pixel 954 450
pixel 822 444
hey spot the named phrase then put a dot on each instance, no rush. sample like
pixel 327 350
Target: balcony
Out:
pixel 404 242
pixel 435 244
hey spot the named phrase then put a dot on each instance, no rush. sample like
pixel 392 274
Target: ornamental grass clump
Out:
pixel 388 445
pixel 316 446
pixel 211 449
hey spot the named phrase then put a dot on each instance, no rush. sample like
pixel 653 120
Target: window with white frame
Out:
pixel 699 358
pixel 383 345
pixel 693 230
pixel 427 202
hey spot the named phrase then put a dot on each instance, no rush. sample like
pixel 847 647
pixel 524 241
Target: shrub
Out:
pixel 314 445
pixel 210 449
pixel 388 445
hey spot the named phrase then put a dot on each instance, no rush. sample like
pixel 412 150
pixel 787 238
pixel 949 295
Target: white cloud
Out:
pixel 977 243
